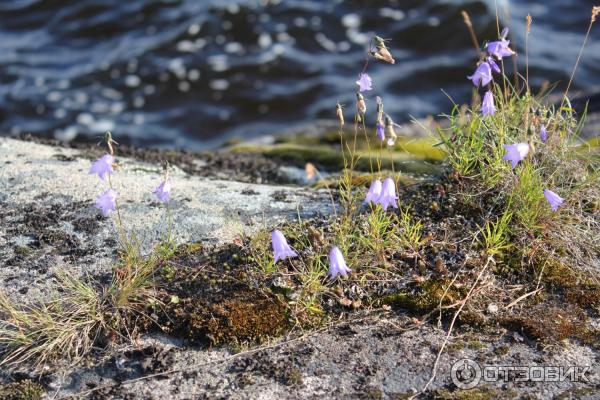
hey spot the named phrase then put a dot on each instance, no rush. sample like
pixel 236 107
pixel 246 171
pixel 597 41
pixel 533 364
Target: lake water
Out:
pixel 194 73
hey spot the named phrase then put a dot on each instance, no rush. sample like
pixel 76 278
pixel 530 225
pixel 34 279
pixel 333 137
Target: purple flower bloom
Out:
pixel 515 153
pixel 337 264
pixel 499 49
pixel 107 202
pixel 364 82
pixel 482 75
pixel 554 199
pixel 374 192
pixel 388 195
pixel 487 107
pixel 281 249
pixel 493 65
pixel 103 166
pixel 163 191
pixel 543 134
pixel 380 132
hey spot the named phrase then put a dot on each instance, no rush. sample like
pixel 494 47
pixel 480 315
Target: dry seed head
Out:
pixel 467 19
pixel 383 54
pixel 595 12
pixel 361 106
pixel 380 42
pixel 109 142
pixel 340 113
pixel 528 23
pixel 379 110
pixel 389 131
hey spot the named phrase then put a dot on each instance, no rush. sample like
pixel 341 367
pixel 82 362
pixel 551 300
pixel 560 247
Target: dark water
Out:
pixel 193 73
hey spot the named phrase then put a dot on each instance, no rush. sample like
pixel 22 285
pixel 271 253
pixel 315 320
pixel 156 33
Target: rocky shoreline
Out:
pixel 47 224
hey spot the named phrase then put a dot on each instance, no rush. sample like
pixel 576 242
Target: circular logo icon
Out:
pixel 465 374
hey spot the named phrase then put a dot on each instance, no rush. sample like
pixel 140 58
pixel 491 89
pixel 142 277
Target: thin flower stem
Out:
pixel 391 160
pixel 368 145
pixel 117 208
pixel 578 59
pixel 170 222
pixel 380 156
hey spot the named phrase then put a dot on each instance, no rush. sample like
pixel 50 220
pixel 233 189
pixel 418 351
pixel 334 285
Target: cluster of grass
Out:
pixel 479 220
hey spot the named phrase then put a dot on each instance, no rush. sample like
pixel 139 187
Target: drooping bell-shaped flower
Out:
pixel 493 65
pixel 163 191
pixel 281 248
pixel 103 166
pixel 515 153
pixel 388 195
pixel 543 134
pixel 107 202
pixel 380 132
pixel 374 192
pixel 499 49
pixel 337 264
pixel 364 82
pixel 482 75
pixel 554 199
pixel 487 106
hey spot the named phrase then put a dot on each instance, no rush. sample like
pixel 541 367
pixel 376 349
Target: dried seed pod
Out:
pixel 361 106
pixel 340 113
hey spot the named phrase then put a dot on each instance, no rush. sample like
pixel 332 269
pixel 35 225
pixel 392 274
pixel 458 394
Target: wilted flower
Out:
pixel 163 191
pixel 493 65
pixel 515 153
pixel 107 202
pixel 388 195
pixel 103 166
pixel 389 131
pixel 382 52
pixel 374 191
pixel 337 264
pixel 379 110
pixel 543 134
pixel 380 132
pixel 487 107
pixel 554 199
pixel 361 106
pixel 281 249
pixel 364 82
pixel 482 75
pixel 499 48
pixel 340 113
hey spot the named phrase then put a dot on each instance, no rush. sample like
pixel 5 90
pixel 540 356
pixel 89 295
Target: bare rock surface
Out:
pixel 47 223
pixel 48 220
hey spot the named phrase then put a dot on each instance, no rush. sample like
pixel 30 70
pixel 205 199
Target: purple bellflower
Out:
pixel 281 248
pixel 488 107
pixel 388 195
pixel 543 134
pixel 499 49
pixel 380 132
pixel 374 192
pixel 107 202
pixel 337 264
pixel 482 75
pixel 493 65
pixel 103 166
pixel 554 199
pixel 163 191
pixel 364 82
pixel 515 153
